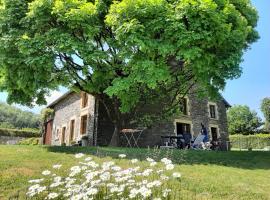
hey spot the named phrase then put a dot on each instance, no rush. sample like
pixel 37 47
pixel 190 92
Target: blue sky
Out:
pixel 253 85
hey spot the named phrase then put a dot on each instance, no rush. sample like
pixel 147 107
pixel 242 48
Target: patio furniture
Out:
pixel 132 136
pixel 175 141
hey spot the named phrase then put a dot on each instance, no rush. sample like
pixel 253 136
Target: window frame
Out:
pixel 81 124
pixel 216 110
pixel 84 104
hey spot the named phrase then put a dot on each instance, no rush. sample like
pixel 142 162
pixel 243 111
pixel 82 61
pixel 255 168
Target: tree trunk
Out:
pixel 115 137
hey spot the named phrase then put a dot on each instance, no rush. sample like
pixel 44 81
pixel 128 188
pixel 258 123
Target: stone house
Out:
pixel 78 116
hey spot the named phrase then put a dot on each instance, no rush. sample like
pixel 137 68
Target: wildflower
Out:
pixel 153 164
pixel 57 166
pixel 150 159
pixel 147 172
pixel 36 180
pixel 166 192
pixel 176 175
pixel 35 189
pixel 134 160
pixel 52 195
pixel 88 159
pixel 46 172
pixel 166 161
pixel 105 176
pixel 79 155
pixel 122 155
pixel 92 191
pixel 169 166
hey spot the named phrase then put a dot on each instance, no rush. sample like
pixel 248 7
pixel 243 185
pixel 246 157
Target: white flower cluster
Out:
pixel 89 180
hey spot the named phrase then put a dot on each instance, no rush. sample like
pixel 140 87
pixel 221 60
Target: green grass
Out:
pixel 205 174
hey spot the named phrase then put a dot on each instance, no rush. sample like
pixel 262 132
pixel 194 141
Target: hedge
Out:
pixel 19 133
pixel 258 141
pixel 29 141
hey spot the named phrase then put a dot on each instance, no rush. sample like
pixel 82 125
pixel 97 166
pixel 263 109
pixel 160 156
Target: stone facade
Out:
pixel 67 109
pixel 100 129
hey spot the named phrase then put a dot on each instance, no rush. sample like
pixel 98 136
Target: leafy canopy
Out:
pixel 130 52
pixel 12 117
pixel 242 120
pixel 265 108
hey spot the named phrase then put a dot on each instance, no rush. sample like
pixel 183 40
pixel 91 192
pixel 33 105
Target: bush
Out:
pixel 19 133
pixel 29 141
pixel 257 141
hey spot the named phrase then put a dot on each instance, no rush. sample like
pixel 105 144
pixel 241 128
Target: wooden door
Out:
pixel 63 138
pixel 48 132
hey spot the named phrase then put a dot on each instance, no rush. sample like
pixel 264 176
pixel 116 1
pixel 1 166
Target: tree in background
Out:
pixel 265 108
pixel 131 55
pixel 242 120
pixel 12 117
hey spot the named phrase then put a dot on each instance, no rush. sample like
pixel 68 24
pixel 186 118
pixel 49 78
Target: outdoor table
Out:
pixel 132 135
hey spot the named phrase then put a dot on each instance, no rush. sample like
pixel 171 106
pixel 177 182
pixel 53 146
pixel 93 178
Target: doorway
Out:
pixel 214 133
pixel 181 128
pixel 63 135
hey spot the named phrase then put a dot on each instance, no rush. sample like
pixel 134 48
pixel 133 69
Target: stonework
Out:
pixel 100 129
pixel 69 109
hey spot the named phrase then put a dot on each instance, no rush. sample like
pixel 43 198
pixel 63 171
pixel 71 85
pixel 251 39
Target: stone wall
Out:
pixel 70 109
pixel 10 139
pixel 198 112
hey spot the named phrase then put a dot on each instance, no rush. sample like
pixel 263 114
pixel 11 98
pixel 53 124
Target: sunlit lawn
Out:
pixel 205 175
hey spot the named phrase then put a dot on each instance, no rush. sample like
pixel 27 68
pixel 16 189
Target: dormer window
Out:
pixel 84 99
pixel 184 106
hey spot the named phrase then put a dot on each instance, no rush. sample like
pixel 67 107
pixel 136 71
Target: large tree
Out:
pixel 265 108
pixel 129 54
pixel 242 120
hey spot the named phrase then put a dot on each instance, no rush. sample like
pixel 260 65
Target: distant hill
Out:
pixel 13 117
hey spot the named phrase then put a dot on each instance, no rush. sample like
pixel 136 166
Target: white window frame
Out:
pixel 183 122
pixel 216 110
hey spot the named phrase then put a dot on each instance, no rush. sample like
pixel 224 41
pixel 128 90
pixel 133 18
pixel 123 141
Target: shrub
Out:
pixel 29 141
pixel 19 133
pixel 257 141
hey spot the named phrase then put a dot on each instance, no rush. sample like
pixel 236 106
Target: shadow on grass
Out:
pixel 239 159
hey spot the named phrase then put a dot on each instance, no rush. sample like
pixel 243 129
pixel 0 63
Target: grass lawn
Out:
pixel 205 175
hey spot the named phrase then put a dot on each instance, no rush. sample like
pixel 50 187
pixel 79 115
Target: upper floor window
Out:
pixel 213 109
pixel 184 106
pixel 84 99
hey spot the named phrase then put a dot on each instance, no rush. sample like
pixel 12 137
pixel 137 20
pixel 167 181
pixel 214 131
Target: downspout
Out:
pixel 95 122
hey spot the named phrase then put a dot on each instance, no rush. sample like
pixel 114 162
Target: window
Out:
pixel 212 109
pixel 84 99
pixel 184 106
pixel 63 135
pixel 214 133
pixel 72 130
pixel 57 135
pixel 83 124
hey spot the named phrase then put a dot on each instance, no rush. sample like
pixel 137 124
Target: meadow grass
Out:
pixel 205 174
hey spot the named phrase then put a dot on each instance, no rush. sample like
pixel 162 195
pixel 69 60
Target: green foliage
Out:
pixel 29 141
pixel 131 54
pixel 6 125
pixel 46 113
pixel 12 117
pixel 265 108
pixel 19 133
pixel 258 141
pixel 242 120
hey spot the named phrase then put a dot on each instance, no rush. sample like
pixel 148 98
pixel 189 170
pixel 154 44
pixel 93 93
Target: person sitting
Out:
pixel 204 132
